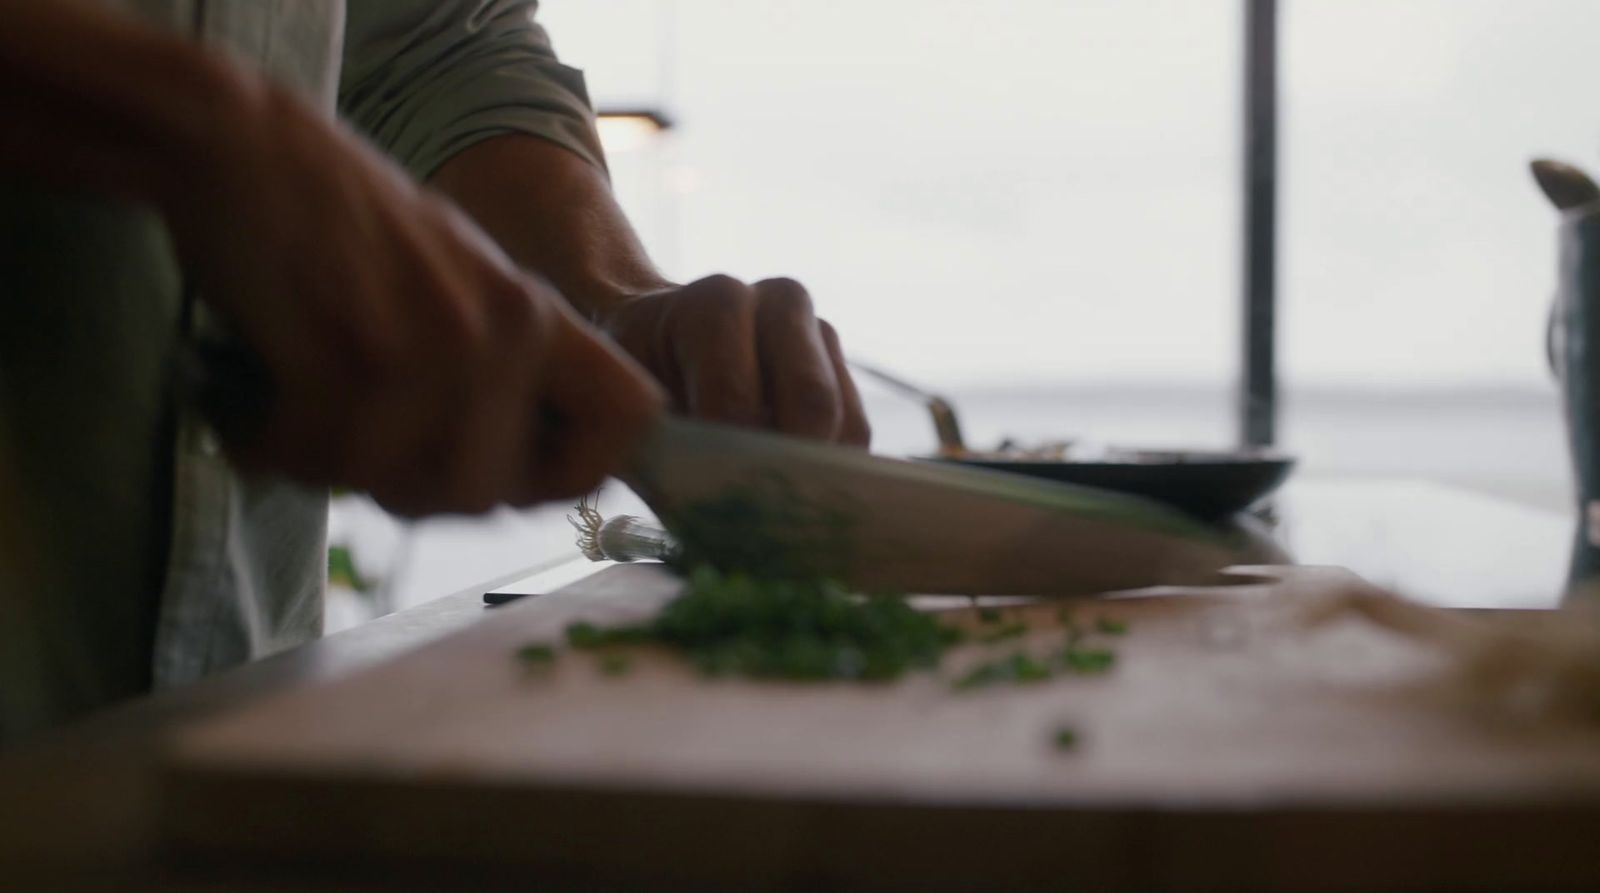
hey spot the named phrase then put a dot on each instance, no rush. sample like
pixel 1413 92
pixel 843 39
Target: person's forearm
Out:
pixel 96 101
pixel 724 350
pixel 554 214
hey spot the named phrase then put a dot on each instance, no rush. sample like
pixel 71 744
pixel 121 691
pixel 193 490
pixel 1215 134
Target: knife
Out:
pixel 737 497
pixel 776 505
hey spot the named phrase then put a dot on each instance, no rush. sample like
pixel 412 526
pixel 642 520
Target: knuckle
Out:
pixel 468 490
pixel 401 502
pixel 818 402
pixel 815 393
pixel 784 292
pixel 857 430
pixel 783 283
pixel 513 314
pixel 718 284
pixel 786 300
pixel 733 394
pixel 475 500
pixel 713 340
pixel 716 295
pixel 453 320
pixel 524 498
pixel 830 335
pixel 637 399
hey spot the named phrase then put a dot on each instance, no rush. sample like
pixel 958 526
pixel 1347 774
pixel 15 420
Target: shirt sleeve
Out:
pixel 425 79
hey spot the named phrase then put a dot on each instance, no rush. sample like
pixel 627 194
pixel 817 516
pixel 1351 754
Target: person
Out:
pixel 398 211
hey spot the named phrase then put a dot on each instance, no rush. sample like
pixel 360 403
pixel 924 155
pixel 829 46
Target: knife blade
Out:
pixel 910 526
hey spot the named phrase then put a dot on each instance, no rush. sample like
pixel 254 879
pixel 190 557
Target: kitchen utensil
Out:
pixel 1210 485
pixel 1573 335
pixel 891 524
pixel 945 424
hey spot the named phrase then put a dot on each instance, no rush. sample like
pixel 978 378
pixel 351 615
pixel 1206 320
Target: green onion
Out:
pixel 1017 667
pixel 536 655
pixel 737 625
pixel 1111 626
pixel 1013 630
pixel 1088 661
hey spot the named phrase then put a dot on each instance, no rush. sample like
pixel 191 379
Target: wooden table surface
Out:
pixel 77 804
pixel 80 805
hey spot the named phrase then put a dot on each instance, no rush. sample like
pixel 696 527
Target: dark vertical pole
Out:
pixel 1258 391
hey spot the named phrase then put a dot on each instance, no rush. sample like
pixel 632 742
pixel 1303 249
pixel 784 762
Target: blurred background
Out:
pixel 1034 206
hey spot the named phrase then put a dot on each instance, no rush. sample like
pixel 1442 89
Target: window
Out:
pixel 1418 257
pixel 1032 204
pixel 1035 206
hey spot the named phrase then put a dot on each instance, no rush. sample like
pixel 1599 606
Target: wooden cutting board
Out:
pixel 1227 748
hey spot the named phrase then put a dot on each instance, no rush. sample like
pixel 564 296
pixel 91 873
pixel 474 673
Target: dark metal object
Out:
pixel 1566 186
pixel 1258 392
pixel 1208 486
pixel 1576 357
pixel 496 598
pixel 1571 338
pixel 945 423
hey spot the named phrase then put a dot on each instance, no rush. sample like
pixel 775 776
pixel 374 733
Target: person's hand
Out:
pixel 752 355
pixel 408 357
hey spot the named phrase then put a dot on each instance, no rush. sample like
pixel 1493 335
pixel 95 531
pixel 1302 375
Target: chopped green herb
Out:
pixel 734 624
pixel 1017 667
pixel 615 664
pixel 759 564
pixel 536 655
pixel 1088 660
pixel 1012 630
pixel 586 635
pixel 764 528
pixel 1070 624
pixel 583 635
pixel 1020 667
pixel 979 676
pixel 1028 669
pixel 1065 738
pixel 342 570
pixel 1111 626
